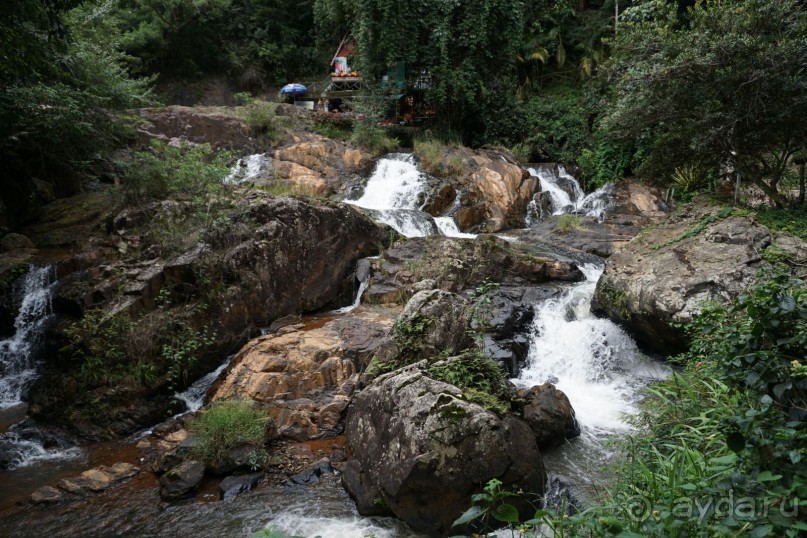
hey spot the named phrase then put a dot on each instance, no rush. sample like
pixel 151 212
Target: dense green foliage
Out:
pixel 731 426
pixel 467 47
pixel 226 425
pixel 481 380
pixel 722 84
pixel 255 42
pixel 62 77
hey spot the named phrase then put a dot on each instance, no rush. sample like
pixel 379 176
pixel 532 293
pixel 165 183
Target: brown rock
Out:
pixel 304 375
pixel 47 495
pixel 14 242
pixel 549 414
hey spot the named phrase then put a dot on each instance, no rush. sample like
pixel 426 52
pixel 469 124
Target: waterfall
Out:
pixel 18 353
pixel 247 168
pixel 595 363
pixel 447 224
pixel 195 395
pixel 566 195
pixel 448 227
pixel 26 446
pixel 393 194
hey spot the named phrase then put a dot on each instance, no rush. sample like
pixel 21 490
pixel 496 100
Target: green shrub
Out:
pixel 730 426
pixel 568 223
pixel 243 98
pixel 438 159
pixel 792 221
pixel 226 425
pixel 261 119
pixel 329 130
pixel 188 172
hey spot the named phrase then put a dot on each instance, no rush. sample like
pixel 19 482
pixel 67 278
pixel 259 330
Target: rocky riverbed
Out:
pixel 369 351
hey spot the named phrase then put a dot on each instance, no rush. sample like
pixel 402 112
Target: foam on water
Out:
pixel 20 452
pixel 567 196
pixel 593 361
pixel 245 169
pixel 448 227
pixel 195 395
pixel 18 353
pixel 396 183
pixel 302 523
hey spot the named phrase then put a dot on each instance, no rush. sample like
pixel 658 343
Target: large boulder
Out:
pixel 460 265
pixel 420 450
pixel 278 256
pixel 305 373
pixel 433 322
pixel 182 480
pixel 221 127
pixel 485 190
pixel 504 189
pixel 307 163
pixel 662 278
pixel 549 414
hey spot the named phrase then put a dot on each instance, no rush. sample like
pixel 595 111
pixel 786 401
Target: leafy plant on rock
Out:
pixel 226 425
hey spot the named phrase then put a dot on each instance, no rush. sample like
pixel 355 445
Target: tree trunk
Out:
pixel 777 198
pixel 801 183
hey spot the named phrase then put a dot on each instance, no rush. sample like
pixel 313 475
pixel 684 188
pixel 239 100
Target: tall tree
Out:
pixel 62 77
pixel 723 82
pixel 469 47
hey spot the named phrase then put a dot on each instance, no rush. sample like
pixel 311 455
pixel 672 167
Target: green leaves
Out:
pixel 490 503
pixel 694 82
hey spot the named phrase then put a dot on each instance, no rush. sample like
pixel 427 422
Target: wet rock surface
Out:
pixel 420 450
pixel 550 415
pixel 633 207
pixel 457 265
pixel 89 482
pixel 311 475
pixel 181 481
pixel 296 257
pixel 232 486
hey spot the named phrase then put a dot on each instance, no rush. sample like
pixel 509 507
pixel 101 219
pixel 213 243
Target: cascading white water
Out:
pixel 17 353
pixel 195 395
pixel 357 301
pixel 20 452
pixel 247 168
pixel 594 362
pixel 448 227
pixel 393 192
pixel 303 523
pixel 396 183
pixel 567 196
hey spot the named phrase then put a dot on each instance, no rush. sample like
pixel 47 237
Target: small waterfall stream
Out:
pixel 18 353
pixel 567 196
pixel 393 193
pixel 597 365
pixel 246 168
pixel 23 445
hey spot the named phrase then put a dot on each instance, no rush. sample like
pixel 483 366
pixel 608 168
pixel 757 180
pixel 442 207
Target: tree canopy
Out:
pixel 721 84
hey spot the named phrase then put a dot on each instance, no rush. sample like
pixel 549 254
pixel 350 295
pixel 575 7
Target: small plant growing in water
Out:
pixel 226 425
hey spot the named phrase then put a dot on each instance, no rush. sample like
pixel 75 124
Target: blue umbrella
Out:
pixel 291 89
